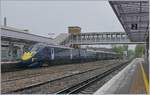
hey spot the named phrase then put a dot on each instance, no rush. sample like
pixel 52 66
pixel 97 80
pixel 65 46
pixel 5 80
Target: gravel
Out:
pixel 34 76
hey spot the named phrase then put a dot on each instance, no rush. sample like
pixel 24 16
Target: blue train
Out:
pixel 40 54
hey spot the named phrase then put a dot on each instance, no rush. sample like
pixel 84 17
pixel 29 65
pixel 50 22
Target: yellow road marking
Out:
pixel 145 79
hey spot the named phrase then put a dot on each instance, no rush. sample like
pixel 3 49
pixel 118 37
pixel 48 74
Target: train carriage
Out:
pixel 40 54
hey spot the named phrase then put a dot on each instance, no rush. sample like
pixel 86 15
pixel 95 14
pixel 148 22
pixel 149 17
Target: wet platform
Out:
pixel 133 79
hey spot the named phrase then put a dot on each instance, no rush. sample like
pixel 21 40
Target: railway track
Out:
pixel 25 74
pixel 32 88
pixel 42 83
pixel 20 68
pixel 78 88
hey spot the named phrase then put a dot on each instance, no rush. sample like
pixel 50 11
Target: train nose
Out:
pixel 23 63
pixel 26 55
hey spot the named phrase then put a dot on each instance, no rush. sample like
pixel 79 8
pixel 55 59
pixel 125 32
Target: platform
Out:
pixel 133 79
pixel 9 66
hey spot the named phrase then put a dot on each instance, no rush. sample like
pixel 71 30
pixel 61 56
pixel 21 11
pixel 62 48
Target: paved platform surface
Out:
pixel 10 62
pixel 131 80
pixel 9 66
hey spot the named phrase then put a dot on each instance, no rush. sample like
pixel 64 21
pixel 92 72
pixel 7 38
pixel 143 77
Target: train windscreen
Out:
pixel 36 47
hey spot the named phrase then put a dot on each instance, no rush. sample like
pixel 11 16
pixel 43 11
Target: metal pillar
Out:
pixel 10 53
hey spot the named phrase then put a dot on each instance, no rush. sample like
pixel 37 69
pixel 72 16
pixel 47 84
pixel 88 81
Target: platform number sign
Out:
pixel 134 26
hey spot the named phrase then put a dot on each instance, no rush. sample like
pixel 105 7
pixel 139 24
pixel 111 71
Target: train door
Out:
pixel 52 54
pixel 84 54
pixel 102 56
pixel 70 54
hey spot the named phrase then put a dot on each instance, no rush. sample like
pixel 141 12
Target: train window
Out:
pixel 59 49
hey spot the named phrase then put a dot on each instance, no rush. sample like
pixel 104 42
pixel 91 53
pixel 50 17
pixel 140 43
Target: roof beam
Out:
pixel 127 2
pixel 134 13
pixel 128 22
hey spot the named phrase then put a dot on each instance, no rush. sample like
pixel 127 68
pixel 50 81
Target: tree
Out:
pixel 139 50
pixel 131 53
pixel 118 49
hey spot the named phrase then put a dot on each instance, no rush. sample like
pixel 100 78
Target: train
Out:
pixel 41 54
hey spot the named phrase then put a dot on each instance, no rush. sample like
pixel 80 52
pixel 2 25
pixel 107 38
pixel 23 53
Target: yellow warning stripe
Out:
pixel 145 79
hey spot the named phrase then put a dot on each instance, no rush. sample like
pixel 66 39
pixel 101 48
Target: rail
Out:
pixel 78 87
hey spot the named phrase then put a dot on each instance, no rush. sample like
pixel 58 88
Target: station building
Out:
pixel 16 41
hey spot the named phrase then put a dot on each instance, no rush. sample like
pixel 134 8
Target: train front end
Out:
pixel 26 58
pixel 32 57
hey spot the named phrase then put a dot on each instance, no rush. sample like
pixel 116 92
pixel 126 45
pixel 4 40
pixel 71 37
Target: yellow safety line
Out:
pixel 145 79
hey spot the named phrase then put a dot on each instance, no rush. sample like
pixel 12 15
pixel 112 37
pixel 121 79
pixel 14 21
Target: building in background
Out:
pixel 74 30
pixel 15 41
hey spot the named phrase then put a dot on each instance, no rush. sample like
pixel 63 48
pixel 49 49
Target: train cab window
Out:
pixel 37 47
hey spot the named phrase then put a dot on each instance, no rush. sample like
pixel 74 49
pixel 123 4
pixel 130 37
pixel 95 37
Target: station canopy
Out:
pixel 134 17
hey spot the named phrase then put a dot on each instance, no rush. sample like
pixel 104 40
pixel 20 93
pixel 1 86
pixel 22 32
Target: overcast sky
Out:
pixel 43 17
